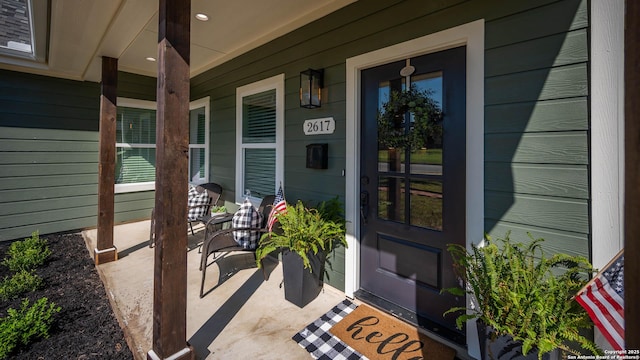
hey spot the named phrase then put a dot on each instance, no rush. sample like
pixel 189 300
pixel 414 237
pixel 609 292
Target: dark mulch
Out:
pixel 85 327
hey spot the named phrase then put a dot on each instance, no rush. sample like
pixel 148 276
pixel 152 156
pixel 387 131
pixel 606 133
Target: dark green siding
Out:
pixel 49 154
pixel 536 119
pixel 48 180
pixel 134 206
pixel 136 86
pixel 536 126
pixel 33 101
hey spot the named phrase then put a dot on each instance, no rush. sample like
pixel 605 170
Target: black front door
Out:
pixel 413 197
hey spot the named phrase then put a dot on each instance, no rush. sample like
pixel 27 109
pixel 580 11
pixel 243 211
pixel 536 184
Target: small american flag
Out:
pixel 279 207
pixel 603 298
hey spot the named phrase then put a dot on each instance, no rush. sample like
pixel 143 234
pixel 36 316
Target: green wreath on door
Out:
pixel 426 114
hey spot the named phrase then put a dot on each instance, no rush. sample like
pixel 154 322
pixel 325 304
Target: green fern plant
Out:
pixel 306 230
pixel 522 293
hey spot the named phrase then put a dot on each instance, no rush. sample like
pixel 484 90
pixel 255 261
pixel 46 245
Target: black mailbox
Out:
pixel 317 156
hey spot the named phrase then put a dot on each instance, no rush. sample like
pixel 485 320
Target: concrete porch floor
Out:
pixel 243 317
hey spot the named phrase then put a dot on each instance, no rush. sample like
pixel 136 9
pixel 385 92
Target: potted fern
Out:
pixel 523 300
pixel 305 236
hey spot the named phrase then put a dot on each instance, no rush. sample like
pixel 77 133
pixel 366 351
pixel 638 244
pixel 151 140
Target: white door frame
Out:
pixel 607 135
pixel 471 35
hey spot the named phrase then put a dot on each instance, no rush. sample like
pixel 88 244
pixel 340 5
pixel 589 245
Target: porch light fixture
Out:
pixel 311 88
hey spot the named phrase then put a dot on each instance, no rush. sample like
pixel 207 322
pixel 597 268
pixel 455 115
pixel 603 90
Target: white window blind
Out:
pixel 260 170
pixel 259 118
pixel 260 145
pixel 197 146
pixel 136 144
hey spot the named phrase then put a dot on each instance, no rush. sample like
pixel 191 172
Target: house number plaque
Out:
pixel 319 126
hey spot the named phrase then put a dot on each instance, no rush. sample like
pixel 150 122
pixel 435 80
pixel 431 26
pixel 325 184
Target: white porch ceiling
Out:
pixel 81 32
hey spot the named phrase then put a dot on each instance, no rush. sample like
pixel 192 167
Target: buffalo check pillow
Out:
pixel 198 198
pixel 247 216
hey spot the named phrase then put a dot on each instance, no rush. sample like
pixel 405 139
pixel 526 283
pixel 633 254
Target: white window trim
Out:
pixel 277 83
pixel 151 105
pixel 471 35
pixel 196 104
pixel 143 186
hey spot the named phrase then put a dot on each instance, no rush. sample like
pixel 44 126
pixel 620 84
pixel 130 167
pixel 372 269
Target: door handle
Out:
pixel 364 206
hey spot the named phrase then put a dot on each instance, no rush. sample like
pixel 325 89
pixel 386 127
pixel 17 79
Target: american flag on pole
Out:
pixel 603 298
pixel 279 207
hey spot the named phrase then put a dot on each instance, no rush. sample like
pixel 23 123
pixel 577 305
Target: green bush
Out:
pixel 523 293
pixel 306 230
pixel 331 210
pixel 27 254
pixel 20 283
pixel 20 327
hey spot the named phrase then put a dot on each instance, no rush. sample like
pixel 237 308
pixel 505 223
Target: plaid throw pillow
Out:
pixel 247 216
pixel 197 198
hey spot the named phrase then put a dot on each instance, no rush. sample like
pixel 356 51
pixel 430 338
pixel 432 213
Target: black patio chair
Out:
pixel 214 192
pixel 223 240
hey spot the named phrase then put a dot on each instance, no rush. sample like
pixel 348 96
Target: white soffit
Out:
pixel 81 32
pixel 76 31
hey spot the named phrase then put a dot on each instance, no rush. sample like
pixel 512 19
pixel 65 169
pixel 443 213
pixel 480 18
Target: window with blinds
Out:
pixel 259 156
pixel 197 145
pixel 259 118
pixel 136 144
pixel 260 170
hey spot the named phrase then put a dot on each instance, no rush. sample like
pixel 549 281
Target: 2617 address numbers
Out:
pixel 319 126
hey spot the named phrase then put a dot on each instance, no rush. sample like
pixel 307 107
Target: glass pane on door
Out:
pixel 426 203
pixel 391 198
pixel 391 160
pixel 428 159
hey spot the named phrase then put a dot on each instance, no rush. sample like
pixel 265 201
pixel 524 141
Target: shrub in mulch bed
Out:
pixel 85 327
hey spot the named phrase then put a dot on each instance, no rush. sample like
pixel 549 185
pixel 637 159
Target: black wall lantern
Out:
pixel 311 88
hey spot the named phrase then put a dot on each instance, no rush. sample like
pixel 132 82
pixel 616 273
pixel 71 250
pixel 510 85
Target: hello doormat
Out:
pixel 319 339
pixel 378 335
pixel 320 343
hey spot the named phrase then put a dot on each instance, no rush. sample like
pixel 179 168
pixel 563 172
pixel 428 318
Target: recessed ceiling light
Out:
pixel 202 17
pixel 151 58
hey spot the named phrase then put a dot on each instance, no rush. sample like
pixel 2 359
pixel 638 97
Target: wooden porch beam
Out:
pixel 632 174
pixel 105 251
pixel 172 151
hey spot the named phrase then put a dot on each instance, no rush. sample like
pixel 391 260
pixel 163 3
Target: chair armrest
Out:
pixel 199 206
pixel 231 230
pixel 223 240
pixel 221 219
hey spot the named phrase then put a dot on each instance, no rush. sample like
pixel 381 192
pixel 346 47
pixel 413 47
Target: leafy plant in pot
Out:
pixel 523 301
pixel 305 236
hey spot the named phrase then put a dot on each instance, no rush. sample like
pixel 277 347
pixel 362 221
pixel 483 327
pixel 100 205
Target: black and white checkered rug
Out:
pixel 320 343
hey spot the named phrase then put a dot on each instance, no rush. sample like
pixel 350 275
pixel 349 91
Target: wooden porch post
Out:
pixel 632 174
pixel 105 251
pixel 172 151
